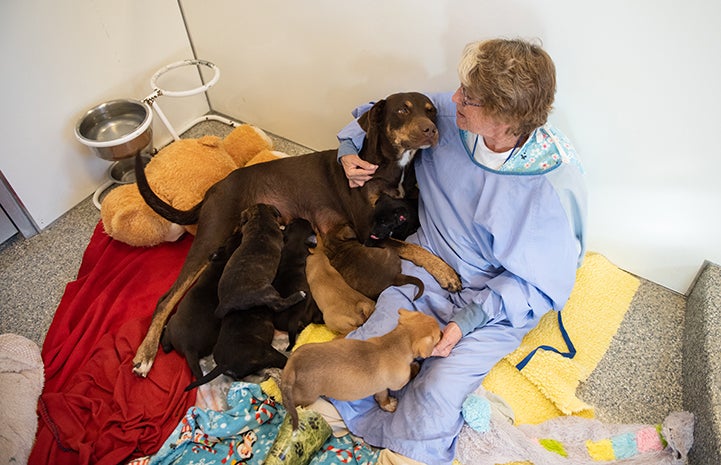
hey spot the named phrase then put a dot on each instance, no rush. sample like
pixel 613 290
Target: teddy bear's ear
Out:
pixel 209 141
pixel 245 142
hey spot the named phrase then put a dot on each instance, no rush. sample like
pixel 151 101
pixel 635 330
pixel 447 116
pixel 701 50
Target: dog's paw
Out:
pixel 390 405
pixel 141 367
pixel 449 281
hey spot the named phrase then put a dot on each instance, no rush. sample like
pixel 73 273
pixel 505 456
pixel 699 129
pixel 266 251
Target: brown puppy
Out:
pixel 343 308
pixel 350 369
pixel 369 270
pixel 290 278
pixel 248 276
pixel 311 186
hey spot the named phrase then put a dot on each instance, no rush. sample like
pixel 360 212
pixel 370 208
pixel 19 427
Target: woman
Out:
pixel 502 200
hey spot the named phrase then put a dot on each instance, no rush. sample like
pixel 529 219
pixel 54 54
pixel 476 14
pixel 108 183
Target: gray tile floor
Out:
pixel 638 381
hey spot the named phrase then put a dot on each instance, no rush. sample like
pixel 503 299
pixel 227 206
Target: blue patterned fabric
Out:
pixel 244 433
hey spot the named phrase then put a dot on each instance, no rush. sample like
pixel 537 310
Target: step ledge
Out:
pixel 701 376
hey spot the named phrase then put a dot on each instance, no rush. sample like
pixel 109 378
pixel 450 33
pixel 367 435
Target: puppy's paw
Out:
pixel 385 401
pixel 391 405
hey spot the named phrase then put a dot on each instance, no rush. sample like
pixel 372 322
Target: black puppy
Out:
pixel 297 237
pixel 193 329
pixel 397 218
pixel 247 279
pixel 244 346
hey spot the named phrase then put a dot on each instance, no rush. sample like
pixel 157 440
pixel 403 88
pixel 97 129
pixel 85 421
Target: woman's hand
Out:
pixel 451 335
pixel 357 170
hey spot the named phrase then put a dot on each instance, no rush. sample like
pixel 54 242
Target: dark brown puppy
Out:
pixel 369 270
pixel 244 346
pixel 393 217
pixel 193 329
pixel 311 186
pixel 247 279
pixel 290 278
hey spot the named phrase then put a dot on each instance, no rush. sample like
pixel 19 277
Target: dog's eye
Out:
pixel 403 111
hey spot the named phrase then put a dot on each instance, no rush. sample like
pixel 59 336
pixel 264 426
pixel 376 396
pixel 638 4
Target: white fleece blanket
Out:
pixel 21 382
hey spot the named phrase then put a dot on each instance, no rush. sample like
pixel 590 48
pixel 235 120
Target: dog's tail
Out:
pixel 286 391
pixel 159 206
pixel 402 279
pixel 212 374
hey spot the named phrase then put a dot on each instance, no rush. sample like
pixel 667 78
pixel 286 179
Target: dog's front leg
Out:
pixel 386 401
pixel 440 270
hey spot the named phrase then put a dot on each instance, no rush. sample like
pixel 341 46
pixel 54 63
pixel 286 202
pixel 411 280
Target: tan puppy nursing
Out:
pixel 343 308
pixel 351 369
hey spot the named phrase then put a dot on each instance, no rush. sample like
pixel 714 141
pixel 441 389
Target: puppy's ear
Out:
pixel 276 212
pixel 423 347
pixel 346 233
pixel 244 217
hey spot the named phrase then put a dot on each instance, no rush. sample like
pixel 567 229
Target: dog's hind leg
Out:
pixel 145 355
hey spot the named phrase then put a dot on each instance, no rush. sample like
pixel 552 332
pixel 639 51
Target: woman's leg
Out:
pixel 428 418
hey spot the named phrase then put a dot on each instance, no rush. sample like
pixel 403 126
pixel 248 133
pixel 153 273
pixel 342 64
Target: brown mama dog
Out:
pixel 311 186
pixel 350 369
pixel 343 308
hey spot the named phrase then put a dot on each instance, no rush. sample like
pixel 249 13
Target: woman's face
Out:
pixel 471 117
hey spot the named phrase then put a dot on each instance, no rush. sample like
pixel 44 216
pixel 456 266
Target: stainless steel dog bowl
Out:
pixel 123 171
pixel 117 129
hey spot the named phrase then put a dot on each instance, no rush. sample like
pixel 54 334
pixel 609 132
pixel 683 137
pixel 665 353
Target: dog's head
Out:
pixel 406 121
pixel 424 330
pixel 298 233
pixel 389 214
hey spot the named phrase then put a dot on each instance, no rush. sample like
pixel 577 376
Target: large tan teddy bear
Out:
pixel 180 174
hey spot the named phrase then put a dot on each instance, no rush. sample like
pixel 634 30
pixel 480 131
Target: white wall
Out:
pixel 637 91
pixel 60 59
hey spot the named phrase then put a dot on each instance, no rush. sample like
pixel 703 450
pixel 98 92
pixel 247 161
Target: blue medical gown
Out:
pixel 515 236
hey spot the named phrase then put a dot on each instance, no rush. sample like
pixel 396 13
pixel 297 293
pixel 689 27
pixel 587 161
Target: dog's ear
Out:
pixel 372 123
pixel 244 217
pixel 347 233
pixel 276 212
pixel 423 347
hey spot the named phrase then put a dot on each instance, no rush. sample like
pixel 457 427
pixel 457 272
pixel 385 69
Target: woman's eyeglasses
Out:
pixel 467 102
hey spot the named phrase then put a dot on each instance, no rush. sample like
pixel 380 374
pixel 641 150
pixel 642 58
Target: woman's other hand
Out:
pixel 357 170
pixel 451 335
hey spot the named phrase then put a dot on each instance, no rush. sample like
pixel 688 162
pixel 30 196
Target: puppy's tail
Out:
pixel 286 391
pixel 159 206
pixel 402 279
pixel 212 374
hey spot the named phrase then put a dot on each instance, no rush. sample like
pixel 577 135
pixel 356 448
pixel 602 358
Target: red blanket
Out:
pixel 93 409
